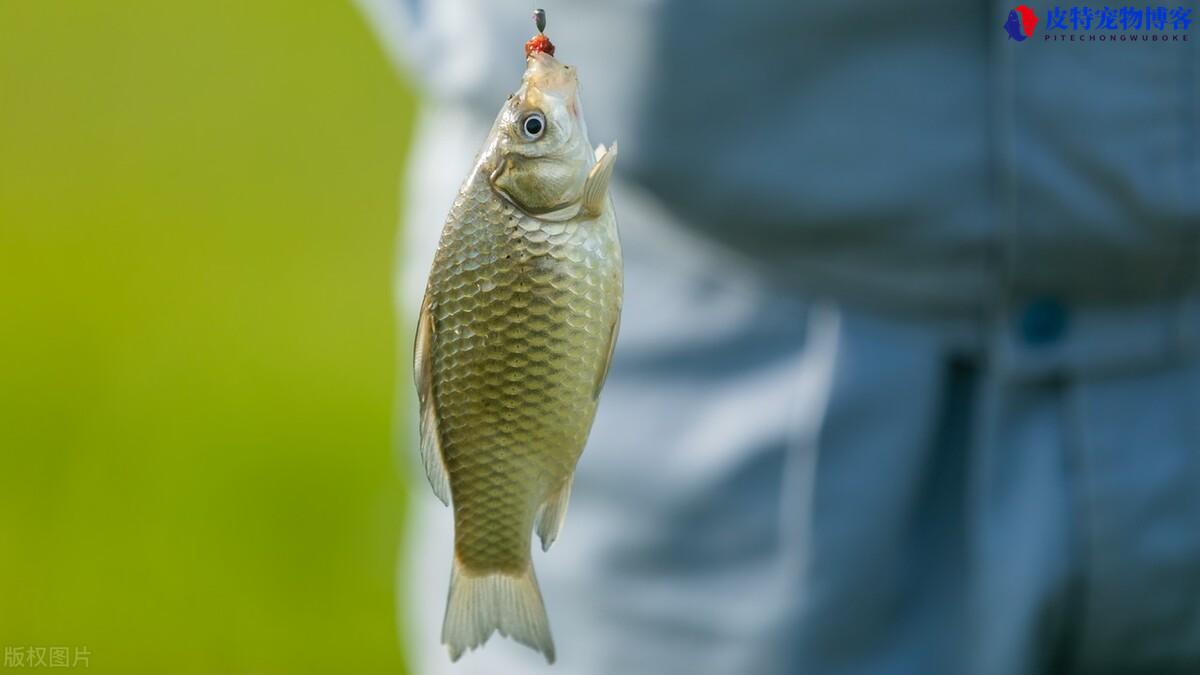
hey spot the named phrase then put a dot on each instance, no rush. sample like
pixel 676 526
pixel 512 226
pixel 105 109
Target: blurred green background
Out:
pixel 197 358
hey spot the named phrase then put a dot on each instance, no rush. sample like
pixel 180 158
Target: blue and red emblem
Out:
pixel 1020 24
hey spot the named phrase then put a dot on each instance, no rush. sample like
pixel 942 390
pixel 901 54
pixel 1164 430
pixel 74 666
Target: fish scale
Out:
pixel 515 366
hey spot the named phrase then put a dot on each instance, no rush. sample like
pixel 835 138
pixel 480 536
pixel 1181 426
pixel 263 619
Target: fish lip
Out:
pixel 550 76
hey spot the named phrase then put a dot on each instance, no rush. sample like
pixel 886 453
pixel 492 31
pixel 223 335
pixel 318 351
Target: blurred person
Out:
pixel 907 379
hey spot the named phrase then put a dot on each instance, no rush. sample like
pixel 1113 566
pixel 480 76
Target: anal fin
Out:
pixel 551 514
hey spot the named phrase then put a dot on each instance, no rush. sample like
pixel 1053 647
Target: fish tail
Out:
pixel 480 603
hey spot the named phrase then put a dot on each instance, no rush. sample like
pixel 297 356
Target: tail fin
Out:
pixel 482 603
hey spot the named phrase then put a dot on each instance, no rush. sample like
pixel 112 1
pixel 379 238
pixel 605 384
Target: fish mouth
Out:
pixel 551 77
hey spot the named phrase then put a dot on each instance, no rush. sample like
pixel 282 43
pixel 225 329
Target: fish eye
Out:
pixel 533 125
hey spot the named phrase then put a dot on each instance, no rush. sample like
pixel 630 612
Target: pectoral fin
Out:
pixel 551 514
pixel 431 445
pixel 595 190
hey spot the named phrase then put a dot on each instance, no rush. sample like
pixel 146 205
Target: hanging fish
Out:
pixel 513 344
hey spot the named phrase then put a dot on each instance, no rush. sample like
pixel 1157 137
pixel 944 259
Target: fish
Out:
pixel 514 340
pixel 1013 27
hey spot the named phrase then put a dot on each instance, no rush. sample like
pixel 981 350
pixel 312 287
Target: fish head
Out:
pixel 541 151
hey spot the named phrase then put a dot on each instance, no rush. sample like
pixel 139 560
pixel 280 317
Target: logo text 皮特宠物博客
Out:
pixel 1080 23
